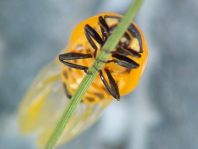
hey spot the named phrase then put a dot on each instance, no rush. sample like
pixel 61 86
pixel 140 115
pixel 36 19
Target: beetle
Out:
pixel 49 94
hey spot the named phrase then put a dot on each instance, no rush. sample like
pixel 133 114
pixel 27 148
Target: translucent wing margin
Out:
pixel 44 104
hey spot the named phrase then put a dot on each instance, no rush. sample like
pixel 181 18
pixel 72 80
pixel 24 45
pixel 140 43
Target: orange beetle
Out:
pixel 119 76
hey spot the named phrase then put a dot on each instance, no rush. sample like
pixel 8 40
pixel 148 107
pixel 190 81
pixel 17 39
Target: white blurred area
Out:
pixel 161 112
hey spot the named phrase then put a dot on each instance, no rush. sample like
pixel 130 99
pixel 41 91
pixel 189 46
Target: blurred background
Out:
pixel 160 114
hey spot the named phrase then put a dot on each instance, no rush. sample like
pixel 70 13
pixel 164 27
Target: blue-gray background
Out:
pixel 161 113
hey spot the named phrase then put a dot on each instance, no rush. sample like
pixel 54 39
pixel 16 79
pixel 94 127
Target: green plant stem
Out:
pixel 92 72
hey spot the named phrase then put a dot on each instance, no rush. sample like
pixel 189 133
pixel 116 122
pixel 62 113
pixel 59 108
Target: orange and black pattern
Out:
pixel 126 61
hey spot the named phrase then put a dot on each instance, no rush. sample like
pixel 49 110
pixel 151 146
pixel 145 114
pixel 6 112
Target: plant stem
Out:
pixel 109 46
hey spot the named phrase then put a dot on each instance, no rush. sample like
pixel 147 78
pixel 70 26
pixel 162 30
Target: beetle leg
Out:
pixel 76 66
pixel 113 87
pixel 133 52
pixel 74 56
pixel 104 27
pixel 66 91
pixel 124 61
pixel 127 51
pixel 132 29
pixel 91 33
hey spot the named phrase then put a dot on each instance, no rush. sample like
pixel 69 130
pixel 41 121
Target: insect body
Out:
pixel 120 73
pixel 48 96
